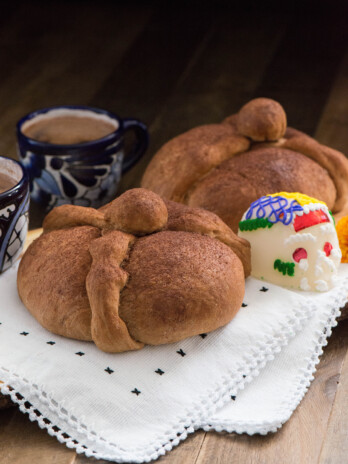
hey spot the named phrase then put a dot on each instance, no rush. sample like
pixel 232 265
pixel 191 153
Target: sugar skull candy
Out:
pixel 293 241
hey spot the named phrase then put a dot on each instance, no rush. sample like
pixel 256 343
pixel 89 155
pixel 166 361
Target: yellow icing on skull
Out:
pixel 299 197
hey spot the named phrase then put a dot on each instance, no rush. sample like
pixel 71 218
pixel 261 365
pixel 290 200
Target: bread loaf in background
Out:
pixel 225 167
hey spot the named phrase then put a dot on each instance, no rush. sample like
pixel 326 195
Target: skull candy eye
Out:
pixel 327 248
pixel 298 254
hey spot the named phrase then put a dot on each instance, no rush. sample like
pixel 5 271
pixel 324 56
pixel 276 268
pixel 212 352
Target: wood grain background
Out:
pixel 175 65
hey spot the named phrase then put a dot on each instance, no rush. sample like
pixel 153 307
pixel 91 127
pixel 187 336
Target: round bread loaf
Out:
pixel 138 271
pixel 224 167
pixel 233 180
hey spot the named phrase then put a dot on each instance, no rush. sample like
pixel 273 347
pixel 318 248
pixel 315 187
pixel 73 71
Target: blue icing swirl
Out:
pixel 275 209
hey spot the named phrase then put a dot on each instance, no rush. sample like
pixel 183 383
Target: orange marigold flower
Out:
pixel 342 233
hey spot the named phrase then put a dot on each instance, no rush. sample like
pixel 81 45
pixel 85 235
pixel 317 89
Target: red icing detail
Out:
pixel 327 248
pixel 298 254
pixel 310 219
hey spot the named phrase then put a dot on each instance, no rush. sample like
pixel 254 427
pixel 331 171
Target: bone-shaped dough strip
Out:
pixel 66 216
pixel 104 283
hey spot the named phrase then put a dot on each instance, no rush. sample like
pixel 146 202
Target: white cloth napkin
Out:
pixel 133 407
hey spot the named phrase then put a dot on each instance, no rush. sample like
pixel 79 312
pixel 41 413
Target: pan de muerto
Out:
pixel 225 167
pixel 138 271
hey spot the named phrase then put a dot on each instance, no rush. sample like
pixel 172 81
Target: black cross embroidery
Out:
pixel 244 305
pixel 24 333
pixel 108 370
pixel 136 391
pixel 182 353
pixel 79 353
pixel 203 335
pixel 233 397
pixel 263 289
pixel 51 343
pixel 159 371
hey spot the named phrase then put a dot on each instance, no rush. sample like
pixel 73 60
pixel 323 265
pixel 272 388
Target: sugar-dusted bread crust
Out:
pixel 52 280
pixel 335 163
pixel 226 186
pixel 176 293
pixel 150 273
pixel 185 159
pixel 245 178
pixel 105 281
pixel 261 119
pixel 184 218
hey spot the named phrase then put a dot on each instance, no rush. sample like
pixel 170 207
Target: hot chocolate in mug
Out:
pixel 75 154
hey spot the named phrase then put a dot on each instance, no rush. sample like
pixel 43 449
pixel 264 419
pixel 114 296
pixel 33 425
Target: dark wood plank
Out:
pixel 5 400
pixel 214 84
pixel 146 77
pixel 65 65
pixel 332 127
pixel 302 71
pixel 335 446
pixel 6 417
pixel 23 442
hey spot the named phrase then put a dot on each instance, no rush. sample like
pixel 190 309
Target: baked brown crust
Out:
pixel 169 294
pixel 108 285
pixel 329 159
pixel 104 283
pixel 248 177
pixel 187 158
pixel 137 212
pixel 184 218
pixel 52 280
pixel 262 119
pixel 333 161
pixel 262 123
pixel 67 216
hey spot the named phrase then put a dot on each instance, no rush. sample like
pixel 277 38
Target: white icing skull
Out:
pixel 293 241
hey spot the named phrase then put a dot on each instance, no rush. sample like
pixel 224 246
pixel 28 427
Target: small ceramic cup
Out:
pixel 14 205
pixel 86 173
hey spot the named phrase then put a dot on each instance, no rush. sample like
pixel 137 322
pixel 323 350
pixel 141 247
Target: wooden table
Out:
pixel 176 66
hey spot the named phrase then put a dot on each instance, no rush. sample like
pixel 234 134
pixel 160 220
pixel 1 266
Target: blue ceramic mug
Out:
pixel 75 154
pixel 14 205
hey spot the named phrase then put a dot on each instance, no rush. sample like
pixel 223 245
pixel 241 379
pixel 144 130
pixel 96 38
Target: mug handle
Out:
pixel 141 144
